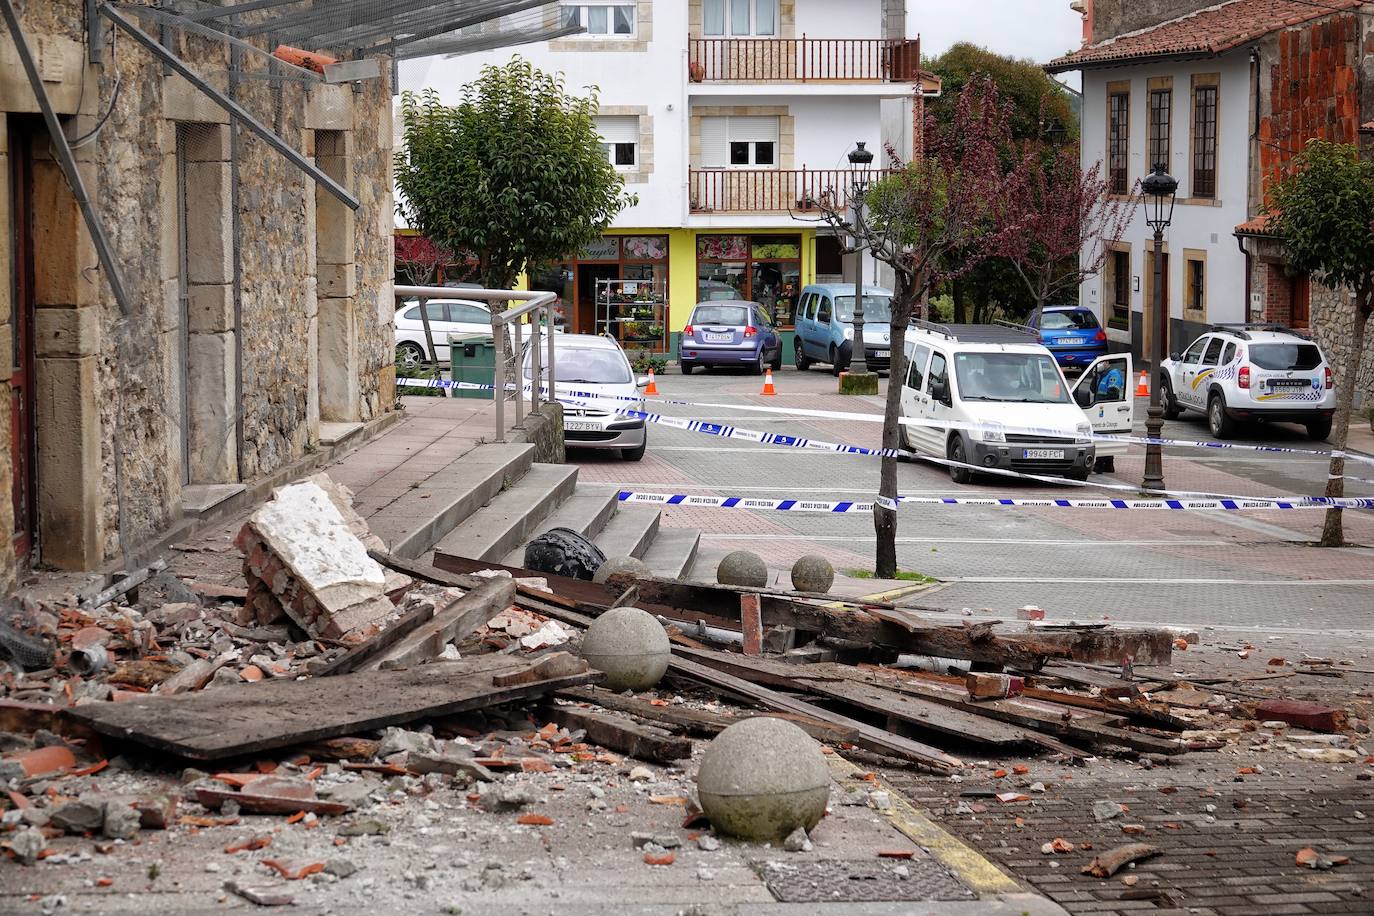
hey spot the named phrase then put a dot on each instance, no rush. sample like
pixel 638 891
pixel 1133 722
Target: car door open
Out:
pixel 1112 404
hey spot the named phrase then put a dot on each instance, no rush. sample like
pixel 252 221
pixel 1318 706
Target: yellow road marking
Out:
pixel 982 877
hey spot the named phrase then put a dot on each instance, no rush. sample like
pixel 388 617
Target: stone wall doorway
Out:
pixel 23 437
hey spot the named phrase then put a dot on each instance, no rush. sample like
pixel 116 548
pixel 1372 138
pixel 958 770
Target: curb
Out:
pixel 979 874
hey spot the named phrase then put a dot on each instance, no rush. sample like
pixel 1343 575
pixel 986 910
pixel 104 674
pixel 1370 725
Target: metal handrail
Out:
pixel 537 305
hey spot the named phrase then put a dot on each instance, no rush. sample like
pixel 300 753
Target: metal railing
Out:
pixel 537 307
pixel 772 190
pixel 803 60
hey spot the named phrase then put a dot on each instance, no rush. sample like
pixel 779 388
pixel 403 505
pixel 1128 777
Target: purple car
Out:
pixel 730 333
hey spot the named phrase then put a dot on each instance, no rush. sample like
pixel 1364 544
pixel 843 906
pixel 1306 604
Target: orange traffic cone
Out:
pixel 768 383
pixel 653 388
pixel 1142 389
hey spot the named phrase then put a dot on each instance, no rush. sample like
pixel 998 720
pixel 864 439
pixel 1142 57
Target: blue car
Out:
pixel 730 332
pixel 1071 333
pixel 825 326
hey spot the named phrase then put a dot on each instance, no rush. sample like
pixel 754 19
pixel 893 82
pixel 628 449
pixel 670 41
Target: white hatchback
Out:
pixel 446 316
pixel 593 378
pixel 1241 373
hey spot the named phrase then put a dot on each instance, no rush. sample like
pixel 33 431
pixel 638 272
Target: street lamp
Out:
pixel 1157 192
pixel 860 161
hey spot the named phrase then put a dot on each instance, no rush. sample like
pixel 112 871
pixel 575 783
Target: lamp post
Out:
pixel 860 160
pixel 1157 191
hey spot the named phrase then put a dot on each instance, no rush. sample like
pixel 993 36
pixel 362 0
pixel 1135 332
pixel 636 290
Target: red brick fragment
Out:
pixel 535 820
pixel 666 858
pixel 1312 716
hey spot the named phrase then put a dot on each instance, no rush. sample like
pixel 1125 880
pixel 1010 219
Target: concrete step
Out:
pixel 509 519
pixel 420 516
pixel 673 552
pixel 583 512
pixel 629 532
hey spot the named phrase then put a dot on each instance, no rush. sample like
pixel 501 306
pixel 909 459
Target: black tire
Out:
pixel 957 452
pixel 687 367
pixel 1318 430
pixel 839 359
pixel 564 552
pixel 1105 465
pixel 776 364
pixel 1077 474
pixel 636 453
pixel 409 356
pixel 757 367
pixel 799 356
pixel 1218 423
pixel 1172 410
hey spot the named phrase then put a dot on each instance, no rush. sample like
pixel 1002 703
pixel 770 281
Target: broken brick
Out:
pixel 535 820
pixel 293 869
pixel 665 858
pixel 1311 716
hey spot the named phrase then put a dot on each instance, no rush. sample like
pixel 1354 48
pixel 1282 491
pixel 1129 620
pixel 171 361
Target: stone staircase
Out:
pixel 494 499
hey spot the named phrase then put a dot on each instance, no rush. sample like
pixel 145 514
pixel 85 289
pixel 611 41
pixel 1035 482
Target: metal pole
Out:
pixel 498 380
pixel 63 152
pixel 1154 425
pixel 553 394
pixel 858 365
pixel 515 363
pixel 535 360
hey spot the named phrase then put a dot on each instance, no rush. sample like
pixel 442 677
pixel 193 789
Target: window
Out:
pixel 823 316
pixel 435 310
pixel 739 142
pixel 1161 105
pixel 1118 140
pixel 807 309
pixel 468 314
pixel 720 315
pixel 1213 352
pixel 1195 281
pixel 1076 320
pixel 916 376
pixel 1228 354
pixel 937 375
pixel 620 140
pixel 756 268
pixel 1204 141
pixel 1286 357
pixel 1117 288
pixel 1027 378
pixel 602 19
pixel 1195 351
pixel 743 17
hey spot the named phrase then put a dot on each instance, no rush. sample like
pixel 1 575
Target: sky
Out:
pixel 1038 29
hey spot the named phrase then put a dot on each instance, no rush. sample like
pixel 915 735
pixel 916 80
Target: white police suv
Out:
pixel 1253 372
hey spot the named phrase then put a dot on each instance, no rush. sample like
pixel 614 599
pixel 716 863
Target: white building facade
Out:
pixel 730 119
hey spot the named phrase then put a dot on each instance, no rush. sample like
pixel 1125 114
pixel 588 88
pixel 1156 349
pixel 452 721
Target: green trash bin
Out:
pixel 473 359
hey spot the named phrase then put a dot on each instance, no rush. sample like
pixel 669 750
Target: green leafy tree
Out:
pixel 514 173
pixel 1324 213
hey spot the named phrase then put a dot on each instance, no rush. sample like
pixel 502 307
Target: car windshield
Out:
pixel 877 309
pixel 1025 378
pixel 1286 356
pixel 590 365
pixel 732 315
pixel 1068 321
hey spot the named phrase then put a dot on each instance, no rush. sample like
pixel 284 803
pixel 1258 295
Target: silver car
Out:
pixel 590 367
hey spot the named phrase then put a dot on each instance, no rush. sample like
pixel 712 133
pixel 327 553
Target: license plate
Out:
pixel 1044 453
pixel 581 425
pixel 718 338
pixel 1289 383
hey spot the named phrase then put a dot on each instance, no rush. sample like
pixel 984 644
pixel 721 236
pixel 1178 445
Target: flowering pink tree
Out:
pixel 1066 222
pixel 931 220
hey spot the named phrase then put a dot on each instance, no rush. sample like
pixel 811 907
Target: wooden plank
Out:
pixel 602 596
pixel 423 571
pixel 249 718
pixel 354 658
pixel 867 736
pixel 557 664
pixel 1136 712
pixel 621 734
pixel 751 624
pixel 457 620
pixel 699 721
pixel 922 713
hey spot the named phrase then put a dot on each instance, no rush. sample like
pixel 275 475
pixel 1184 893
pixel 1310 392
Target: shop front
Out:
pixel 616 285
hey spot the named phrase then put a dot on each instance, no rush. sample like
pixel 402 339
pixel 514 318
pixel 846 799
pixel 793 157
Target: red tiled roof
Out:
pixel 1209 31
pixel 1368 127
pixel 1257 225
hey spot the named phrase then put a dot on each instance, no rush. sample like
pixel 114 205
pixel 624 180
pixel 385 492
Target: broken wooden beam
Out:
pixel 489 598
pixel 620 734
pixel 354 658
pixel 557 664
pixel 245 719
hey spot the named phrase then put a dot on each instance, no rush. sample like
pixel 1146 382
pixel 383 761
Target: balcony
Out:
pixel 771 190
pixel 804 60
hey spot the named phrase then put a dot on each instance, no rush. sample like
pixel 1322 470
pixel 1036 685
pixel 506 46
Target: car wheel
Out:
pixel 636 453
pixel 1172 410
pixel 756 367
pixel 1078 474
pixel 958 453
pixel 409 356
pixel 1318 430
pixel 799 356
pixel 687 367
pixel 1105 465
pixel 1220 425
pixel 776 364
pixel 839 360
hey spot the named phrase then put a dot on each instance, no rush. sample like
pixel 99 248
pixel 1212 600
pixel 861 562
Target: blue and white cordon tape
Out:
pixel 689 501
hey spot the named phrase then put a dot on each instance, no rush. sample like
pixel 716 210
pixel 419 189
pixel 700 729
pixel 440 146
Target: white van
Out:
pixel 979 384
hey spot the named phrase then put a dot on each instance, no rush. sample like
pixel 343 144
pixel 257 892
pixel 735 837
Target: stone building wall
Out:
pixel 109 388
pixel 1117 17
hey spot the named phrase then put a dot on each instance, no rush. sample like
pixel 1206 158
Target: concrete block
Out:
pixel 338 360
pixel 630 646
pixel 763 778
pixel 208 250
pixel 56 260
pixel 183 102
pixel 336 281
pixel 61 62
pixel 68 425
pixel 329 108
pixel 210 399
pixel 206 142
pixel 210 307
pixel 68 332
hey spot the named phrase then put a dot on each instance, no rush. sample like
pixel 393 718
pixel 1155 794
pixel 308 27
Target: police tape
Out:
pixel 846 507
pixel 931 423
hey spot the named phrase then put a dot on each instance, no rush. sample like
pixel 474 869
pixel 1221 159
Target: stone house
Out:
pixel 259 306
pixel 1225 94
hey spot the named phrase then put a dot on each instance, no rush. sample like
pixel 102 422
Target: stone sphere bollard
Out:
pixel 813 573
pixel 742 568
pixel 630 645
pixel 614 565
pixel 761 779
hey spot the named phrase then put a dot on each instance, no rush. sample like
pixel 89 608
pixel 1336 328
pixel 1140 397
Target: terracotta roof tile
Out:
pixel 1369 127
pixel 1257 225
pixel 1209 31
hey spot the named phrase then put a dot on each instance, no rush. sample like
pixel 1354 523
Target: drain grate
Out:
pixel 862 882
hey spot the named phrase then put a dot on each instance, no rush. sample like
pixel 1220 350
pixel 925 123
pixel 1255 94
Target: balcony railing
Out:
pixel 771 190
pixel 804 60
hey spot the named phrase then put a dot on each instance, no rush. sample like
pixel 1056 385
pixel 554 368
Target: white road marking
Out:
pixel 1048 542
pixel 1035 580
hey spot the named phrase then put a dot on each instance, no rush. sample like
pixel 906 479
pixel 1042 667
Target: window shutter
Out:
pixel 618 129
pixel 715 144
pixel 754 129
